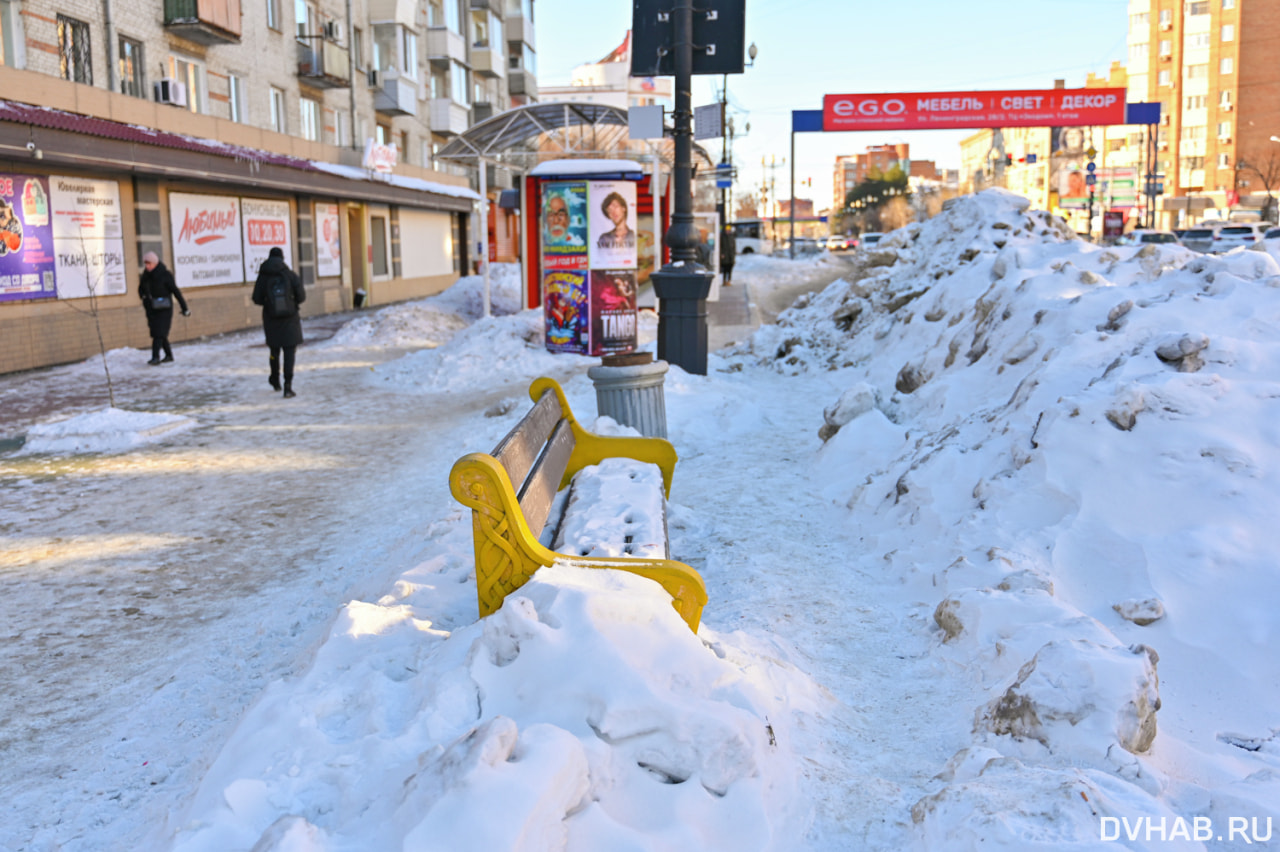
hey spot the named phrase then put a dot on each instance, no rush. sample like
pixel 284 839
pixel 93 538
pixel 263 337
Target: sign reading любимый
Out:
pixel 964 110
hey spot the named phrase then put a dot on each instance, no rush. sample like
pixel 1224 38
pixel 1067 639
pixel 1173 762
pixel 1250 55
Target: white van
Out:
pixel 749 236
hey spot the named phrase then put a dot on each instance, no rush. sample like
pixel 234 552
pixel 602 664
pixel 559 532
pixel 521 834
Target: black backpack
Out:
pixel 279 302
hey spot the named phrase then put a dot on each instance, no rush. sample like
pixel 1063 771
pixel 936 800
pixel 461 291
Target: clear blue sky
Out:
pixel 810 48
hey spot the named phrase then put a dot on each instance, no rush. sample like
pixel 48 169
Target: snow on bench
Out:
pixel 614 508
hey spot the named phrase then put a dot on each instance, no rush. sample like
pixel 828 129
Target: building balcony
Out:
pixel 480 112
pixel 445 46
pixel 487 62
pixel 204 21
pixel 323 63
pixel 448 117
pixel 521 82
pixel 520 29
pixel 395 95
pixel 488 6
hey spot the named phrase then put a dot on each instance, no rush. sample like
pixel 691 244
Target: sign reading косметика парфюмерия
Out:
pixel 964 110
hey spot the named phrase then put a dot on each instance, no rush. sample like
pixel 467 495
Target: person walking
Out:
pixel 157 289
pixel 279 291
pixel 728 253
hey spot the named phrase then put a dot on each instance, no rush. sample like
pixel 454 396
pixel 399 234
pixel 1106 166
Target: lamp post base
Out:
pixel 682 316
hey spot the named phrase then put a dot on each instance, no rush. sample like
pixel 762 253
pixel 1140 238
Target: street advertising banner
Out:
pixel 613 311
pixel 206 240
pixel 328 241
pixel 564 225
pixel 566 313
pixel 27 263
pixel 88 237
pixel 974 110
pixel 612 210
pixel 266 225
pixel 1120 186
pixel 1073 192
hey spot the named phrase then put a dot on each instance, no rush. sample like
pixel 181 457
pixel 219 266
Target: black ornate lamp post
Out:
pixel 664 34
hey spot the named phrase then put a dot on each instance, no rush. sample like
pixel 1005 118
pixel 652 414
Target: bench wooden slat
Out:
pixel 520 448
pixel 544 480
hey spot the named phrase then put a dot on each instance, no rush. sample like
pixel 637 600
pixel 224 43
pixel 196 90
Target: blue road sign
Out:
pixel 1091 168
pixel 1090 179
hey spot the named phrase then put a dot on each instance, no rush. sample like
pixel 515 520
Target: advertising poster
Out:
pixel 1073 193
pixel 88 237
pixel 206 240
pixel 566 315
pixel 709 249
pixel 266 225
pixel 27 263
pixel 564 225
pixel 611 208
pixel 645 263
pixel 328 241
pixel 613 311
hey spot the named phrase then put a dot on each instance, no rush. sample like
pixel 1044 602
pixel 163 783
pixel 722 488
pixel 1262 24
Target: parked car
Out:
pixel 1236 234
pixel 1271 234
pixel 869 240
pixel 804 246
pixel 1199 238
pixel 837 242
pixel 1143 235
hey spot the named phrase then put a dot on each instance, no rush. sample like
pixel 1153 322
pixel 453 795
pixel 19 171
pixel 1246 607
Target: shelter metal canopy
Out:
pixel 524 136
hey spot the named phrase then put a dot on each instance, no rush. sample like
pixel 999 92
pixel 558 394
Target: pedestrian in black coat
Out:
pixel 728 253
pixel 281 321
pixel 157 290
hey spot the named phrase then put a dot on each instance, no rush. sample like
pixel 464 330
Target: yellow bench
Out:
pixel 510 494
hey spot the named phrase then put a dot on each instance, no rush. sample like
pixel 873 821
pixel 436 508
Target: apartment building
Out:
pixel 1211 64
pixel 852 169
pixel 312 124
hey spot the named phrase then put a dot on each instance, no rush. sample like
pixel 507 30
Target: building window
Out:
pixel 403 145
pixel 11 39
pixel 1228 4
pixel 1198 7
pixel 1228 32
pixel 191 74
pixel 1197 40
pixel 310 119
pixel 452 17
pixel 1166 18
pixel 409 53
pixel 438 86
pixel 378 237
pixel 1224 129
pixel 1195 102
pixel 357 47
pixel 305 18
pixel 277 110
pixel 131 65
pixel 381 133
pixel 458 82
pixel 435 13
pixel 1166 47
pixel 1140 21
pixel 1163 78
pixel 1224 98
pixel 1226 65
pixel 73 50
pixel 1193 162
pixel 273 14
pixel 1137 53
pixel 1224 161
pixel 1196 131
pixel 1195 72
pixel 342 128
pixel 236 103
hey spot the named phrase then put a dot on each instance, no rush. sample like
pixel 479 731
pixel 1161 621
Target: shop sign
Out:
pixel 266 226
pixel 206 240
pixel 88 237
pixel 27 261
pixel 974 110
pixel 328 241
pixel 380 158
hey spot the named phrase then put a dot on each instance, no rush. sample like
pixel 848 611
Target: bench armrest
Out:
pixel 590 448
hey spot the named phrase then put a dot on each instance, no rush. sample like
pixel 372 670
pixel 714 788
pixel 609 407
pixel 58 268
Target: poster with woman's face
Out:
pixel 328 241
pixel 613 311
pixel 611 206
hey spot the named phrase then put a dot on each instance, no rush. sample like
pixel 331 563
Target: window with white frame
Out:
pixel 1224 161
pixel 1139 21
pixel 1198 7
pixel 189 72
pixel 1228 4
pixel 1137 53
pixel 341 128
pixel 458 82
pixel 1166 47
pixel 408 53
pixel 237 106
pixel 1194 41
pixel 1195 102
pixel 1164 78
pixel 1228 32
pixel 1226 65
pixel 1224 98
pixel 306 19
pixel 1193 132
pixel 1166 17
pixel 129 68
pixel 277 110
pixel 273 14
pixel 11 39
pixel 1224 129
pixel 309 118
pixel 1195 72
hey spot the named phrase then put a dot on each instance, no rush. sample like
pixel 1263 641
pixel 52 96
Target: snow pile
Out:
pixel 426 323
pixel 782 271
pixel 110 430
pixel 582 715
pixel 1073 451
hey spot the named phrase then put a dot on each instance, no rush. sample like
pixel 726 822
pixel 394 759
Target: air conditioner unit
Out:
pixel 1164 119
pixel 1165 57
pixel 1224 139
pixel 1227 107
pixel 375 78
pixel 1164 146
pixel 1167 25
pixel 333 30
pixel 170 91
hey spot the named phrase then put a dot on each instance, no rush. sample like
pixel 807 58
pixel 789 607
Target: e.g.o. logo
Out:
pixel 893 106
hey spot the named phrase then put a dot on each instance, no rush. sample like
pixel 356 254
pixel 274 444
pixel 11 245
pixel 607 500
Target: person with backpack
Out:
pixel 157 289
pixel 279 291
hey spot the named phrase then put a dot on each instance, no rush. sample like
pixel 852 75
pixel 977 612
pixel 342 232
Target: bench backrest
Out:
pixel 535 455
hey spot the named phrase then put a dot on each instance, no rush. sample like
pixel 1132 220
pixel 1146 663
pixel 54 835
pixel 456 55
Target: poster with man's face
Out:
pixel 612 210
pixel 564 222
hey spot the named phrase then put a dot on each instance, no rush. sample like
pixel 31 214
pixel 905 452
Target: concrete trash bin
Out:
pixel 629 389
